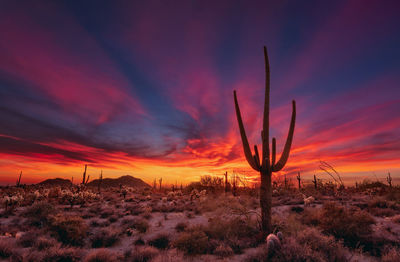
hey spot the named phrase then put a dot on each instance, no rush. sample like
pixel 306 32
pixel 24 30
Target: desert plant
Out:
pixel 106 237
pixel 351 225
pixel 84 179
pixel 55 254
pixel 141 254
pixel 101 255
pixel 43 243
pixel 100 181
pixel 267 164
pixel 299 179
pixel 19 180
pixel 181 226
pixel 315 182
pixel 192 242
pixel 160 241
pixel 6 248
pixel 70 230
pixel 39 213
pixel 389 179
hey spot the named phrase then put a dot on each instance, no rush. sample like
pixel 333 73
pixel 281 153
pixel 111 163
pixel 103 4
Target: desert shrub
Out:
pixel 139 224
pixel 181 226
pixel 309 245
pixel 396 219
pixel 139 242
pixel 223 250
pixel 27 239
pixel 43 243
pixel 349 225
pixel 106 237
pixel 113 218
pixel 310 216
pixel 192 242
pixel 70 230
pixel 55 254
pixel 325 245
pixel 219 228
pixel 6 248
pixel 141 254
pixel 99 223
pixel 161 241
pixel 101 255
pixel 105 213
pixel 382 212
pixel 297 209
pixel 393 254
pixel 39 213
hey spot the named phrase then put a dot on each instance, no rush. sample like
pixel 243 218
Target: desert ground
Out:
pixel 199 222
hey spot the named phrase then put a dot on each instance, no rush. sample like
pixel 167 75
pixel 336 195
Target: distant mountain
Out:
pixel 56 182
pixel 129 181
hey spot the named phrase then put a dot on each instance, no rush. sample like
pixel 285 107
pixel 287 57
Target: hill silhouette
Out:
pixel 56 182
pixel 127 180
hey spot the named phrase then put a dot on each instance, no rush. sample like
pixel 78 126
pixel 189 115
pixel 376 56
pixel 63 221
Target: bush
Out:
pixel 141 254
pixel 6 248
pixel 101 255
pixel 55 254
pixel 28 239
pixel 161 241
pixel 39 213
pixel 310 245
pixel 105 238
pixel 346 224
pixel 181 226
pixel 140 224
pixel 43 243
pixel 223 251
pixel 391 255
pixel 70 230
pixel 192 242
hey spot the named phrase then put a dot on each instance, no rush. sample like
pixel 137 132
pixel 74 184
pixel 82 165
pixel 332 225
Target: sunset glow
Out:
pixel 148 91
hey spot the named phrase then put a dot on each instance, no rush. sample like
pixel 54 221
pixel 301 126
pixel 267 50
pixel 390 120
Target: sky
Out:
pixel 146 87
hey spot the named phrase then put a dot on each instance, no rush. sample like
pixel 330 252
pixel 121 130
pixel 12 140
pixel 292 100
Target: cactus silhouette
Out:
pixel 266 165
pixel 388 178
pixel 315 182
pixel 84 176
pixel 299 179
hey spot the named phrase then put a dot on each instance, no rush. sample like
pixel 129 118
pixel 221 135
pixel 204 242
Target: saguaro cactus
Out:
pixel 226 182
pixel 389 179
pixel 315 182
pixel 299 179
pixel 266 165
pixel 100 181
pixel 19 180
pixel 84 176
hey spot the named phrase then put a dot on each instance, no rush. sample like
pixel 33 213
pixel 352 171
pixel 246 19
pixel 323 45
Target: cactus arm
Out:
pixel 265 136
pixel 285 154
pixel 257 157
pixel 246 147
pixel 273 152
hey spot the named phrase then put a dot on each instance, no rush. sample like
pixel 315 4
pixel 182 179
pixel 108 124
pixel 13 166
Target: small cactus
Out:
pixel 19 179
pixel 273 244
pixel 389 179
pixel 84 176
pixel 299 179
pixel 315 182
pixel 100 180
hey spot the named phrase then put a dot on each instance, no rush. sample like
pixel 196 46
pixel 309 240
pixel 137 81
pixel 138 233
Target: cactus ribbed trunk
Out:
pixel 266 201
pixel 266 165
